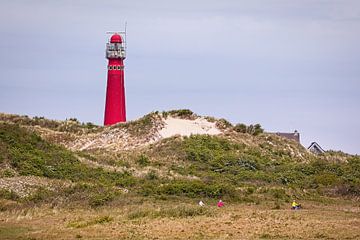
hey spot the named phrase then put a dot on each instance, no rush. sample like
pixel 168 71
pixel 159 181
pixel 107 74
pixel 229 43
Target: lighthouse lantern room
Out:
pixel 115 48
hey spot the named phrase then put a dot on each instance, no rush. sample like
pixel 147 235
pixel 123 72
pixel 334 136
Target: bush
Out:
pixel 41 195
pixel 240 127
pixel 101 199
pixel 326 179
pixel 181 113
pixel 9 195
pixel 143 160
pixel 151 175
pixel 82 223
pixel 90 125
pixel 204 148
pixel 8 173
pixel 223 124
pixel 250 190
pixel 251 129
pixel 257 129
pixel 195 189
pixel 279 194
pixel 141 126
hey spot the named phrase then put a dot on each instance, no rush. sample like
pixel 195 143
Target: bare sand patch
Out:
pixel 184 127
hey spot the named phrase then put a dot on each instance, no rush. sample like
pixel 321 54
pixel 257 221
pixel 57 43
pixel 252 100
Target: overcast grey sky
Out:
pixel 284 64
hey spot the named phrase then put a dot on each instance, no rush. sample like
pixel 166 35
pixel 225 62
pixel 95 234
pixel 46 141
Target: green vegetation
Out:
pixel 80 223
pixel 70 125
pixel 251 129
pixel 223 124
pixel 187 188
pixel 199 166
pixel 142 126
pixel 143 160
pixel 181 113
pixel 9 195
pixel 29 155
pixel 219 162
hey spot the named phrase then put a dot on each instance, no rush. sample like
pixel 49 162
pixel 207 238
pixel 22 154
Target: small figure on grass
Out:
pixel 295 205
pixel 220 203
pixel 201 203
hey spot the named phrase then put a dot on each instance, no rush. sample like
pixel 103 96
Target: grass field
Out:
pixel 337 219
pixel 49 190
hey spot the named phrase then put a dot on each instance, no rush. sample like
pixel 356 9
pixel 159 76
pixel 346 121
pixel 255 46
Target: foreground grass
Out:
pixel 166 220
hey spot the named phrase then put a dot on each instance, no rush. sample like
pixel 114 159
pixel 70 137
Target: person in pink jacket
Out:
pixel 220 203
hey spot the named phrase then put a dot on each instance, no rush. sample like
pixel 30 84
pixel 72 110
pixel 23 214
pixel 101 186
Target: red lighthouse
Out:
pixel 115 92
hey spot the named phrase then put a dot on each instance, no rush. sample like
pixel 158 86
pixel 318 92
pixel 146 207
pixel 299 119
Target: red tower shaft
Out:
pixel 115 111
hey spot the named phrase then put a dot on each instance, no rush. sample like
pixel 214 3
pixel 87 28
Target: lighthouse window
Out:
pixel 118 67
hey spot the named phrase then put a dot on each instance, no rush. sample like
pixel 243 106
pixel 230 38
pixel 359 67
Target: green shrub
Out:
pixel 326 179
pixel 195 189
pixel 223 124
pixel 8 173
pixel 205 148
pixel 152 175
pixel 143 160
pixel 101 199
pixel 9 195
pixel 139 213
pixel 279 194
pixel 126 180
pixel 141 126
pixel 80 223
pixel 90 125
pixel 148 188
pixel 240 127
pixel 165 114
pixel 251 129
pixel 181 113
pixel 250 190
pixel 255 129
pixel 40 195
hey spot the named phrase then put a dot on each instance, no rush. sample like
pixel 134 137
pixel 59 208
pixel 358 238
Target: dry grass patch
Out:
pixel 166 220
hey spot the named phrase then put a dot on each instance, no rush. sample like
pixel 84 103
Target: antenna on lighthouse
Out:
pixel 123 33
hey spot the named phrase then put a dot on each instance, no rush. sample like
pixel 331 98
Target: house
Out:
pixel 295 136
pixel 315 148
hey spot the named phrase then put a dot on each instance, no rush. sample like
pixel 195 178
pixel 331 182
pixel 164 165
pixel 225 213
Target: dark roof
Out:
pixel 315 148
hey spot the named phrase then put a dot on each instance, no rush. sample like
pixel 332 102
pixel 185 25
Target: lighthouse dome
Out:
pixel 116 38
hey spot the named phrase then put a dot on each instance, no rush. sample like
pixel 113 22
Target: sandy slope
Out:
pixel 118 139
pixel 184 127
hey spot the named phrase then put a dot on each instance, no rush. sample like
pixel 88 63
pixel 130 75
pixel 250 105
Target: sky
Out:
pixel 288 65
